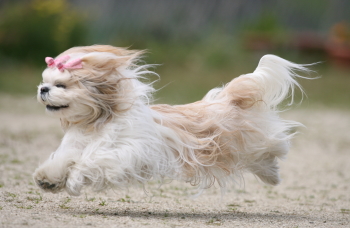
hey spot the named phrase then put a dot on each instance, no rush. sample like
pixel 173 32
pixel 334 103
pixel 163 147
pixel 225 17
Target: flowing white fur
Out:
pixel 140 144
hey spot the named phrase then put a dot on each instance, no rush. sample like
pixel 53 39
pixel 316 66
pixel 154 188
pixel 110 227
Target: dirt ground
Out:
pixel 315 191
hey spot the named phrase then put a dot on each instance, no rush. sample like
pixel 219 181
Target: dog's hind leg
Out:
pixel 267 170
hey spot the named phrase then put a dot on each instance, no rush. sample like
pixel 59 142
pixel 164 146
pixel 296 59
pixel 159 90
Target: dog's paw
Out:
pixel 50 186
pixel 49 181
pixel 46 185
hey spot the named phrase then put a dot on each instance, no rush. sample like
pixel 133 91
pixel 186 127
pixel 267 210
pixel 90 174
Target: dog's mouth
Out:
pixel 56 108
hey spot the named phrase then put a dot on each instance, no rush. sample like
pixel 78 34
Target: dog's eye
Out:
pixel 60 86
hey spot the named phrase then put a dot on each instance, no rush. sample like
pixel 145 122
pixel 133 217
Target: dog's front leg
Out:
pixel 52 175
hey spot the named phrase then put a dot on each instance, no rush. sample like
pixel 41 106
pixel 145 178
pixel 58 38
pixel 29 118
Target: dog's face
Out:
pixel 62 96
pixel 91 93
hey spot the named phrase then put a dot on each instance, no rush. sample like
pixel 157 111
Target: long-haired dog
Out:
pixel 114 137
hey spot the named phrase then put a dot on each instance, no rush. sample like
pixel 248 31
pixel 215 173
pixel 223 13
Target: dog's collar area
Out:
pixel 55 108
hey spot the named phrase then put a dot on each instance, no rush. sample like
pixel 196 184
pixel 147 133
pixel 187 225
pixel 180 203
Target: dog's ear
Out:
pixel 106 77
pixel 105 57
pixel 118 51
pixel 105 61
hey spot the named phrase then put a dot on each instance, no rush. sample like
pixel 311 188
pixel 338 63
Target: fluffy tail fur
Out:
pixel 272 82
pixel 277 77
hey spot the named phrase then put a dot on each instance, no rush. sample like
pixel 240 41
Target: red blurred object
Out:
pixel 309 42
pixel 338 46
pixel 340 55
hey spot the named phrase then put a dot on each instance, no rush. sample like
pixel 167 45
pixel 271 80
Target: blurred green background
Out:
pixel 198 44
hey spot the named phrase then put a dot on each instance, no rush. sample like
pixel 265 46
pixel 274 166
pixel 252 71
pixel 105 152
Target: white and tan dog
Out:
pixel 114 138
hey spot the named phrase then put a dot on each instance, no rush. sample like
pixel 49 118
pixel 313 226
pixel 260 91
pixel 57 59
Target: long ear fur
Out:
pixel 102 77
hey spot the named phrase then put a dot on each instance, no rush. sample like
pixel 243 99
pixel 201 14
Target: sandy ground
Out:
pixel 315 191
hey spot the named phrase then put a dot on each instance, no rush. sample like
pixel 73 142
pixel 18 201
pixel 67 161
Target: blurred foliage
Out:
pixel 265 32
pixel 267 22
pixel 35 29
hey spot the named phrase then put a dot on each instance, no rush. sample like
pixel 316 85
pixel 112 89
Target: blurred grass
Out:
pixel 20 79
pixel 186 74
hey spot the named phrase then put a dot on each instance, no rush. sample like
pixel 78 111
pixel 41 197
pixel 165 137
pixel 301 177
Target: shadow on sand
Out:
pixel 219 216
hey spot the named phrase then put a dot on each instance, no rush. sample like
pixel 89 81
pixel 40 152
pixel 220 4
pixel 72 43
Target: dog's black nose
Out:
pixel 44 89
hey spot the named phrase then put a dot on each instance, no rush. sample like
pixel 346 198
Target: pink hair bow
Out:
pixel 53 62
pixel 59 63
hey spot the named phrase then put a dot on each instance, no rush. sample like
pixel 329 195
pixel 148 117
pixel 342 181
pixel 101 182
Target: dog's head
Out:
pixel 88 85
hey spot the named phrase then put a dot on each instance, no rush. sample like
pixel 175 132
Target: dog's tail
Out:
pixel 271 83
pixel 276 76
